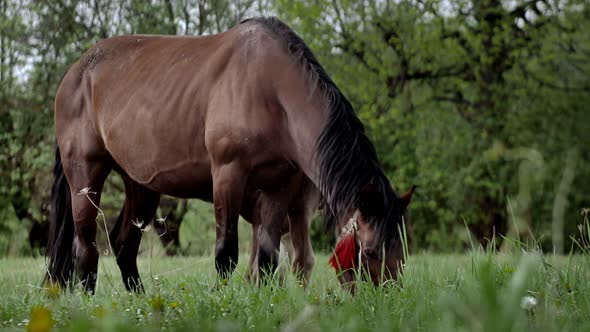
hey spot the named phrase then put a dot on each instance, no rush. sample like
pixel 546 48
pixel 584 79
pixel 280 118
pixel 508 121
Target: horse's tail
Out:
pixel 61 229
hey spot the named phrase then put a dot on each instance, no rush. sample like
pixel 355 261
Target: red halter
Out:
pixel 346 252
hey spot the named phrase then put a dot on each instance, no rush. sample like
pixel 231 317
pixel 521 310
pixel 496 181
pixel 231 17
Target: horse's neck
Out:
pixel 306 117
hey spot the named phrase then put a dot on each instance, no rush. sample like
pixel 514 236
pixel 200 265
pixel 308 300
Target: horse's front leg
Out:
pixel 300 217
pixel 303 258
pixel 252 274
pixel 229 182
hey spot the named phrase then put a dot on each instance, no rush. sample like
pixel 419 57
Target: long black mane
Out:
pixel 347 159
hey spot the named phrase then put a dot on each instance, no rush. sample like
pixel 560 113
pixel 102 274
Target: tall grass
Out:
pixel 472 292
pixel 482 290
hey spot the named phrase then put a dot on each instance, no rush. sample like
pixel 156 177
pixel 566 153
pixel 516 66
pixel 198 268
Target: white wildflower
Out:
pixel 86 191
pixel 137 223
pixel 528 302
pixel 141 225
pixel 162 221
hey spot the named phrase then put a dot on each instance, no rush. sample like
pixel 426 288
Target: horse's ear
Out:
pixel 407 197
pixel 371 200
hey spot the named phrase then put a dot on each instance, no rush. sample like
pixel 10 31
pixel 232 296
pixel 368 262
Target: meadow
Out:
pixel 470 292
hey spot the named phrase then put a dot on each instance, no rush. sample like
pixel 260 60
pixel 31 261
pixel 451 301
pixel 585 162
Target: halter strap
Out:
pixel 351 226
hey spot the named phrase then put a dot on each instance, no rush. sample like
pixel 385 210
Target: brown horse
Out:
pixel 221 118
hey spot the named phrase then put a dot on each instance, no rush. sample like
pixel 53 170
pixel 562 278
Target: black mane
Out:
pixel 347 159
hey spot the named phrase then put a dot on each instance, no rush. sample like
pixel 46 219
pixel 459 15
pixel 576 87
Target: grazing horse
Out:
pixel 223 118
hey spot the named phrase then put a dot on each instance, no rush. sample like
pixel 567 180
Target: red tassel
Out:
pixel 344 257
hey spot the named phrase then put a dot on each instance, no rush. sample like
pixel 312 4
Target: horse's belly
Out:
pixel 167 173
pixel 191 181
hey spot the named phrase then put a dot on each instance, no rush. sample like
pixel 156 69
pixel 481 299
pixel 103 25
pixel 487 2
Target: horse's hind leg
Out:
pixel 139 210
pixel 86 177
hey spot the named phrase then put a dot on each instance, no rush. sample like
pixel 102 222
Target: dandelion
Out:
pixel 141 225
pixel 163 222
pixel 53 290
pixel 99 312
pixel 173 305
pixel 41 320
pixel 86 191
pixel 157 303
pixel 528 302
pixel 137 223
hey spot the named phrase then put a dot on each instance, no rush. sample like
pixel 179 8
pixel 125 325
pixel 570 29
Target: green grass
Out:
pixel 472 292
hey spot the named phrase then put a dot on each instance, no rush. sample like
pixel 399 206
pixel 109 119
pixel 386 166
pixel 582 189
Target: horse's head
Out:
pixel 371 239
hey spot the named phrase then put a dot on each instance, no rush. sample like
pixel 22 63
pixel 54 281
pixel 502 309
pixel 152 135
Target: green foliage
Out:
pixel 466 100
